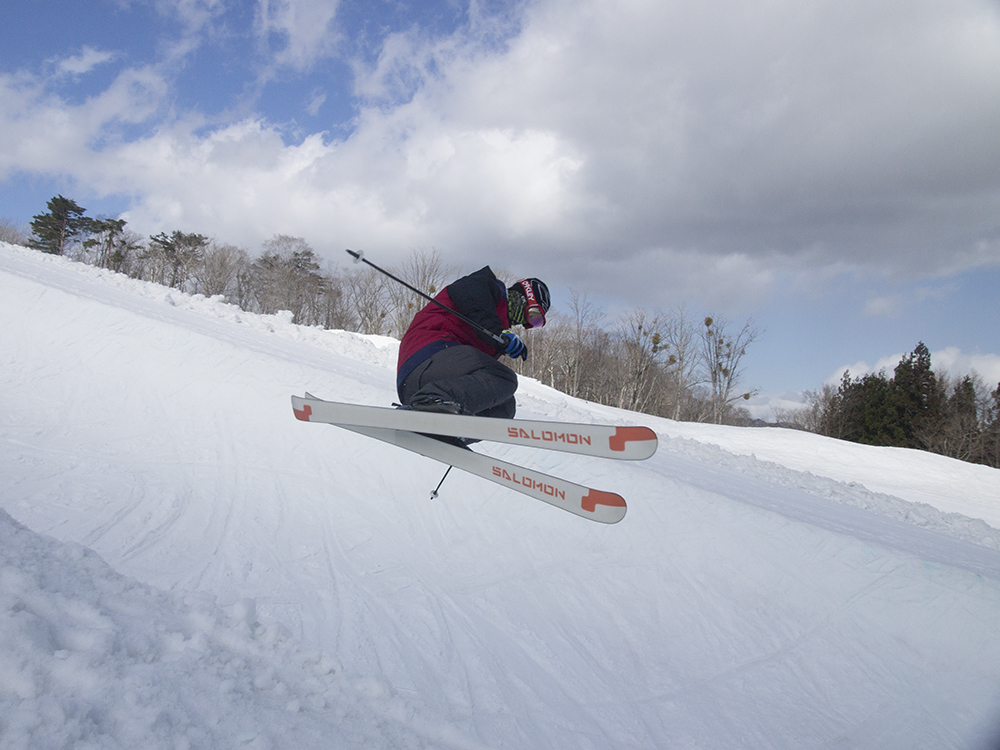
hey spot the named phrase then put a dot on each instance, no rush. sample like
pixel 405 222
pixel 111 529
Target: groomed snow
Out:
pixel 183 564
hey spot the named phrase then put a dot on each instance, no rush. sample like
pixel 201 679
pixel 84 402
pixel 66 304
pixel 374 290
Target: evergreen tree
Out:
pixel 54 232
pixel 108 237
pixel 914 409
pixel 181 252
pixel 871 412
pixel 957 433
pixel 916 397
pixel 990 447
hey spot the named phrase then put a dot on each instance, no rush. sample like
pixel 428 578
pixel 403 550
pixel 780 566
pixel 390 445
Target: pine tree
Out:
pixel 181 252
pixel 872 411
pixel 957 433
pixel 916 396
pixel 990 448
pixel 55 231
pixel 108 237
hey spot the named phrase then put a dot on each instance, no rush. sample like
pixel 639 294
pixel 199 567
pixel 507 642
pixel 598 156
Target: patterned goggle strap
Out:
pixel 534 314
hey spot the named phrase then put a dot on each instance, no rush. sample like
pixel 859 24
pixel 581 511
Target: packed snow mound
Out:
pixel 91 658
pixel 279 584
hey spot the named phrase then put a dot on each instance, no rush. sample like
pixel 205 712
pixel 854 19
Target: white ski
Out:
pixel 596 505
pixel 607 441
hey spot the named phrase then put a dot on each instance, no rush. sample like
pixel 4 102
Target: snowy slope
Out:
pixel 949 485
pixel 270 583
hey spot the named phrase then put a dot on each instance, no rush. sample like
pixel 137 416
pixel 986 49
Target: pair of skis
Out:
pixel 411 429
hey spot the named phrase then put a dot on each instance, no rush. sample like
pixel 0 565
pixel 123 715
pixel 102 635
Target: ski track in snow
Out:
pixel 276 584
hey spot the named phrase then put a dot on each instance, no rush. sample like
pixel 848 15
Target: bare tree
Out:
pixel 648 362
pixel 960 426
pixel 990 454
pixel 336 309
pixel 681 362
pixel 809 417
pixel 639 353
pixel 287 276
pixel 370 300
pixel 424 270
pixel 219 270
pixel 584 319
pixel 150 265
pixel 721 356
pixel 551 356
pixel 12 233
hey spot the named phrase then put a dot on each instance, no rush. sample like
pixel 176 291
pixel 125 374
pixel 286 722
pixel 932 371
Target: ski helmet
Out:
pixel 530 301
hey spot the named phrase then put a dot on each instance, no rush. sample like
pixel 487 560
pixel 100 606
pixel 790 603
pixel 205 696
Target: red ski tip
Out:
pixel 304 413
pixel 596 497
pixel 627 434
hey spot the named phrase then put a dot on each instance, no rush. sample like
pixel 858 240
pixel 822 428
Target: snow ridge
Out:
pixel 852 494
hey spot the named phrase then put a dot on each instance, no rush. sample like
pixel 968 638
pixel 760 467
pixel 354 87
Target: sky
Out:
pixel 829 170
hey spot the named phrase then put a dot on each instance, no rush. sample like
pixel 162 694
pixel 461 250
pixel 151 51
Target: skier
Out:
pixel 445 365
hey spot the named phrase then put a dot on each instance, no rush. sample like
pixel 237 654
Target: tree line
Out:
pixel 669 364
pixel 913 408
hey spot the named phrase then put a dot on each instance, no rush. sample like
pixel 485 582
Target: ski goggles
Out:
pixel 534 313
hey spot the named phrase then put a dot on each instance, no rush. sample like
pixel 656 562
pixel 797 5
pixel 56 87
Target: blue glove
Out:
pixel 515 347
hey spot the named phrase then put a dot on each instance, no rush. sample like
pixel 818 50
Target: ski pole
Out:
pixel 359 257
pixel 434 494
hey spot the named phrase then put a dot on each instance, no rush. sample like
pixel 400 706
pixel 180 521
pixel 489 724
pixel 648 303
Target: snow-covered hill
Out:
pixel 214 573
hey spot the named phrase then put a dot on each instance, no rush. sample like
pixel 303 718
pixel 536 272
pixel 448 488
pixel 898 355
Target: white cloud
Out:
pixel 316 100
pixel 951 360
pixel 734 130
pixel 773 407
pixel 196 18
pixel 400 69
pixel 675 151
pixel 48 135
pixel 882 307
pixel 88 59
pixel 193 14
pixel 958 364
pixel 244 184
pixel 897 304
pixel 304 27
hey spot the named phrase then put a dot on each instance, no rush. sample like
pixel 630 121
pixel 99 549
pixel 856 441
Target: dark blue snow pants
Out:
pixel 467 376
